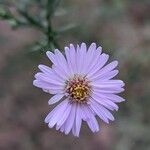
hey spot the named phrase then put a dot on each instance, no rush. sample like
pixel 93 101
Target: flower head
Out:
pixel 84 84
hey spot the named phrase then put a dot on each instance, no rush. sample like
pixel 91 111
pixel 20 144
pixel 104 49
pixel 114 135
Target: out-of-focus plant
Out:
pixel 37 14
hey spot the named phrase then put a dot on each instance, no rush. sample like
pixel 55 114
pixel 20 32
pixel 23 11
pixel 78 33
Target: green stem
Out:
pixel 32 21
pixel 50 32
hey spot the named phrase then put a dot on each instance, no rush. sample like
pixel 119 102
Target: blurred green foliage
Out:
pixel 37 14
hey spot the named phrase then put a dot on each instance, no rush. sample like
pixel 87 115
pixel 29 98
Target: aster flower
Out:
pixel 84 84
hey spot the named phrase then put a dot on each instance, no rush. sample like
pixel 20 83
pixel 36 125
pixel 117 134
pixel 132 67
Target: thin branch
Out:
pixel 50 33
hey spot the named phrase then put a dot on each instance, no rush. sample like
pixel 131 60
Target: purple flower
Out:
pixel 83 83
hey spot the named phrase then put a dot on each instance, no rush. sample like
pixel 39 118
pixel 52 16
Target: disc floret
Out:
pixel 78 89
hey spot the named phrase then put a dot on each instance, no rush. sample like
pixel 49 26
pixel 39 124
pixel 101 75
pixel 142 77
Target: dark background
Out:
pixel 122 28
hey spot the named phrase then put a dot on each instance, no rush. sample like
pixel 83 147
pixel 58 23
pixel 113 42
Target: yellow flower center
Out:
pixel 78 89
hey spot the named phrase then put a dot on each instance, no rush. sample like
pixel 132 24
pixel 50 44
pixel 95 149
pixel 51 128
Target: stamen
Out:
pixel 78 89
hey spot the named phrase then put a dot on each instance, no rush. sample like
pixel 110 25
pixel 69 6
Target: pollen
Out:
pixel 78 89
